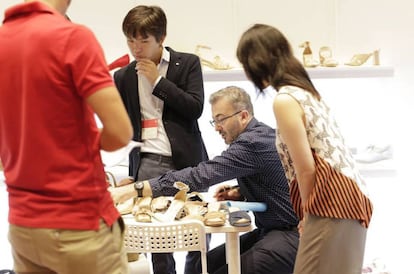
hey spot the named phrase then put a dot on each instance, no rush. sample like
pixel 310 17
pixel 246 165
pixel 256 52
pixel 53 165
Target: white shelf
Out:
pixel 384 168
pixel 237 74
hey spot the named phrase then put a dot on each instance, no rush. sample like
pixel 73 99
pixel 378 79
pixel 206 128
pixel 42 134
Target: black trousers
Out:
pixel 260 253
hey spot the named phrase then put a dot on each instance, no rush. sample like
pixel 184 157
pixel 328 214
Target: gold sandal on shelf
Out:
pixel 362 58
pixel 210 59
pixel 307 55
pixel 325 57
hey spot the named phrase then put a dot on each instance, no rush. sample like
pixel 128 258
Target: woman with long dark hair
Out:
pixel 327 190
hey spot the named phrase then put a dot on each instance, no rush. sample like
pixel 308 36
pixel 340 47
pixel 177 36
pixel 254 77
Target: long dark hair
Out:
pixel 267 57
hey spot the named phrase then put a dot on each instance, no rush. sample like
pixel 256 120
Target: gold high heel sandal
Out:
pixel 211 60
pixel 325 57
pixel 362 58
pixel 307 55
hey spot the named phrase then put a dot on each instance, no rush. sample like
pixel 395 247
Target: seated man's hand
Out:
pixel 227 192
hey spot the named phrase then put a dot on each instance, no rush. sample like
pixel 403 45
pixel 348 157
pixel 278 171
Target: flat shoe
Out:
pixel 239 218
pixel 215 218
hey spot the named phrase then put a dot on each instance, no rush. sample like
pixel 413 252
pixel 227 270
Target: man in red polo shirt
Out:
pixel 53 79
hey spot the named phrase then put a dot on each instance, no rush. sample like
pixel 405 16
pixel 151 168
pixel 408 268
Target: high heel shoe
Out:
pixel 325 57
pixel 176 206
pixel 211 60
pixel 307 55
pixel 362 58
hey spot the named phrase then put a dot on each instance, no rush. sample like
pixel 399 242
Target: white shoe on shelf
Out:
pixel 374 153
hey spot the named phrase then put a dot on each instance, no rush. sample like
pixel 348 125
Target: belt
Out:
pixel 157 157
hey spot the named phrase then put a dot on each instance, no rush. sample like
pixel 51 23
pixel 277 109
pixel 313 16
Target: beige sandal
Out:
pixel 194 210
pixel 125 207
pixel 142 209
pixel 215 215
pixel 215 218
pixel 175 207
pixel 160 204
pixel 210 59
pixel 143 216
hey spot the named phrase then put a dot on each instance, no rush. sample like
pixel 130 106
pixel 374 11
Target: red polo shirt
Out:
pixel 49 142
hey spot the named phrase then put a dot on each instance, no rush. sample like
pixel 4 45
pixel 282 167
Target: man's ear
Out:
pixel 245 114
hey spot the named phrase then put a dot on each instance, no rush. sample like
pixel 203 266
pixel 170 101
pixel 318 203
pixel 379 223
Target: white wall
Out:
pixel 217 23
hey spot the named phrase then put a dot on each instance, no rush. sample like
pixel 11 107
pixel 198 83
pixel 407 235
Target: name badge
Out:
pixel 149 129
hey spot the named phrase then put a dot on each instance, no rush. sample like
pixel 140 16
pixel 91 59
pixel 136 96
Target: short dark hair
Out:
pixel 145 21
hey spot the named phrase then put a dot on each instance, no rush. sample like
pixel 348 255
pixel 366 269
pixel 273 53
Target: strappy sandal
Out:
pixel 143 216
pixel 160 204
pixel 194 210
pixel 175 207
pixel 195 196
pixel 181 186
pixel 210 59
pixel 142 209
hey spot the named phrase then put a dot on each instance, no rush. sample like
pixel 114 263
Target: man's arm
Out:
pixel 236 161
pixel 117 130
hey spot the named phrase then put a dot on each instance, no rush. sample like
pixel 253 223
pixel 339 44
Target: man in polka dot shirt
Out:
pixel 252 160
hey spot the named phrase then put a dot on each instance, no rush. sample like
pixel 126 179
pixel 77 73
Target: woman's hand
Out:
pixel 301 225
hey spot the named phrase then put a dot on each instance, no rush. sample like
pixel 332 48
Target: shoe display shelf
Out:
pixel 376 160
pixel 384 168
pixel 237 74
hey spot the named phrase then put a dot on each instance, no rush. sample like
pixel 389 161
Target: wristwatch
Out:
pixel 139 187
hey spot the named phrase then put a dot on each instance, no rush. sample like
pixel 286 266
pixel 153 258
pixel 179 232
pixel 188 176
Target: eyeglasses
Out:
pixel 219 122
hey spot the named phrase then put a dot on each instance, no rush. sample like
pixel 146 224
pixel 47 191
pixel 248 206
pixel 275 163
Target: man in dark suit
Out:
pixel 163 93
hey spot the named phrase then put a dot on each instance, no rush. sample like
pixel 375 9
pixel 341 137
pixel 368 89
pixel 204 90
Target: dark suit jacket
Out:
pixel 183 94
